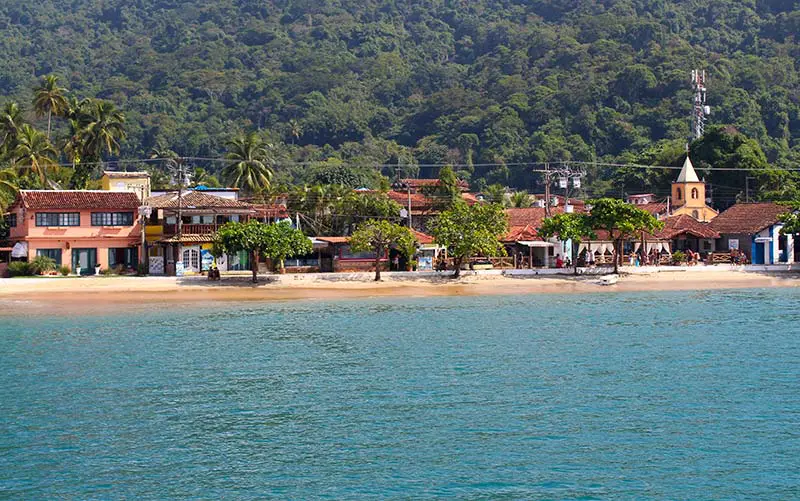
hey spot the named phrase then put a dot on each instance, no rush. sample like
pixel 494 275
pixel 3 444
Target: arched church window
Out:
pixel 678 192
pixel 694 193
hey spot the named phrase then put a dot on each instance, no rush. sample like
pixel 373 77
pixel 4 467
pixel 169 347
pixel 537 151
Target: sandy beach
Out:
pixel 97 291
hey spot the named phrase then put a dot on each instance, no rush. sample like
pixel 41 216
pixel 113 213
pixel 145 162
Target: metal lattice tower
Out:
pixel 700 108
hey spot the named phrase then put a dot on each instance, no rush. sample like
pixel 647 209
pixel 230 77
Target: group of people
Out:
pixel 692 257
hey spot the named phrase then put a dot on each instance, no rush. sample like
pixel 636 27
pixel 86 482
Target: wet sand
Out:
pixel 122 292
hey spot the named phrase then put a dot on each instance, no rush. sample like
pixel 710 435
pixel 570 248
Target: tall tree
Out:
pixel 10 122
pixel 622 221
pixel 285 241
pixel 33 154
pixel 447 190
pixel 377 236
pixel 470 230
pixel 249 168
pixel 568 227
pixel 251 237
pixel 101 128
pixel 49 99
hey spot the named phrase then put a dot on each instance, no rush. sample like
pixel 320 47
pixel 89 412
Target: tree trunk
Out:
pixel 254 265
pixel 378 264
pixel 49 117
pixel 457 262
pixel 574 257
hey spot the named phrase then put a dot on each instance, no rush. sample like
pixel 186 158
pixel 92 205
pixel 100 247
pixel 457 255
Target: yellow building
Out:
pixel 689 195
pixel 134 182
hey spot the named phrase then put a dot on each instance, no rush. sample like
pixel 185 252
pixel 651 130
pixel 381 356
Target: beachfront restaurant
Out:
pixel 201 214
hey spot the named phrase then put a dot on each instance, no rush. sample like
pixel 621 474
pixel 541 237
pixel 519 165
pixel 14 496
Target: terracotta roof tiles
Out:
pixel 685 224
pixel 748 218
pixel 77 199
pixel 196 200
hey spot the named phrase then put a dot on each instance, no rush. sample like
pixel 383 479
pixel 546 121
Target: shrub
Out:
pixel 108 271
pixel 42 264
pixel 19 269
pixel 678 257
pixel 64 270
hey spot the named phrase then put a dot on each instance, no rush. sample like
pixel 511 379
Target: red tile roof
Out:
pixel 422 238
pixel 420 203
pixel 419 183
pixel 654 208
pixel 524 223
pixel 748 218
pixel 196 200
pixel 685 224
pixel 77 200
pixel 334 240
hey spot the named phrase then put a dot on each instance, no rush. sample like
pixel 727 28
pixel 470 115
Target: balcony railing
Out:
pixel 191 229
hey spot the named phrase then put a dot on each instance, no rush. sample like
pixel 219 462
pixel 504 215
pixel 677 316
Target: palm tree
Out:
pixel 8 183
pixel 104 129
pixel 49 100
pixel 295 130
pixel 34 154
pixel 520 200
pixel 249 168
pixel 10 121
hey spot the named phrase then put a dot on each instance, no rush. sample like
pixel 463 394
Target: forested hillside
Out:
pixel 467 82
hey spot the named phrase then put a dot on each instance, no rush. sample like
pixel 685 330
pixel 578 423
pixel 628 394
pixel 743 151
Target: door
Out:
pixel 156 260
pixel 191 259
pixel 86 259
pixel 758 257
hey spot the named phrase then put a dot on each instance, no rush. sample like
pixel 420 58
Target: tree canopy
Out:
pixel 377 236
pixel 621 220
pixel 484 85
pixel 469 230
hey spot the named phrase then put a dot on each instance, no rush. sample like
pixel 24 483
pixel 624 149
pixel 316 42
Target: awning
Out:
pixel 318 244
pixel 536 243
pixel 20 249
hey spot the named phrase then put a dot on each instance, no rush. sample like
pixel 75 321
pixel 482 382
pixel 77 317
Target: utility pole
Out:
pixel 409 205
pixel 700 109
pixel 179 262
pixel 547 189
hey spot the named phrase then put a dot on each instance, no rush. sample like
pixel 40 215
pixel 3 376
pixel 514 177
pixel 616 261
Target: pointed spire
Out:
pixel 688 175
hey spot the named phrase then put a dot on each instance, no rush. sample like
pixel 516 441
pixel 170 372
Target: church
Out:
pixel 689 195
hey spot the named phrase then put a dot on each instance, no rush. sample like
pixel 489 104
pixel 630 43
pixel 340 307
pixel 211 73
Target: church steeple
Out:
pixel 689 194
pixel 688 175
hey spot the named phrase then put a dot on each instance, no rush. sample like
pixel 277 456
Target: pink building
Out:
pixel 77 228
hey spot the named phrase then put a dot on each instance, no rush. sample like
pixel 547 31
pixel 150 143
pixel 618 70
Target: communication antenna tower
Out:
pixel 701 110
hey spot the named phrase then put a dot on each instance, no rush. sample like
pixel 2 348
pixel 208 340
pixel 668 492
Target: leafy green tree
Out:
pixel 49 99
pixel 622 221
pixel 251 237
pixel 9 186
pixel 10 122
pixel 34 154
pixel 446 192
pixel 378 236
pixel 250 163
pixel 468 230
pixel 568 226
pixel 97 128
pixel 284 241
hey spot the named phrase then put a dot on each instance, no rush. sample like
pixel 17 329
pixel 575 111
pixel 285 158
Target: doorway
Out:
pixel 85 259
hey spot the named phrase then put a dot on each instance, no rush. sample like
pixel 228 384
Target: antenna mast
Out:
pixel 700 108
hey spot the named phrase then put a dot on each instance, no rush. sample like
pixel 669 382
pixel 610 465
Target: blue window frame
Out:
pixel 112 218
pixel 54 254
pixel 58 219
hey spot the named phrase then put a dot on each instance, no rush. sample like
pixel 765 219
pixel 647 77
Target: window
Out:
pixel 58 219
pixel 127 257
pixel 12 220
pixel 694 193
pixel 678 193
pixel 346 253
pixel 54 254
pixel 696 215
pixel 112 218
pixel 204 219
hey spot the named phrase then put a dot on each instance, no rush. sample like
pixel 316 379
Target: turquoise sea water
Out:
pixel 691 395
